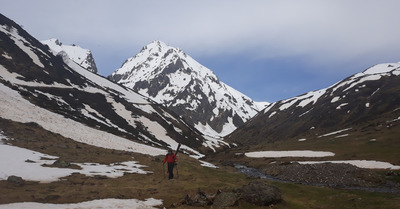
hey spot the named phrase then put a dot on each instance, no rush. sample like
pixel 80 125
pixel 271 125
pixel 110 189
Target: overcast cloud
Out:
pixel 318 42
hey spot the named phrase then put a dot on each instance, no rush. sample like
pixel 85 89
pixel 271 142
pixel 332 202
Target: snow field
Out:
pixel 24 160
pixel 26 112
pixel 103 203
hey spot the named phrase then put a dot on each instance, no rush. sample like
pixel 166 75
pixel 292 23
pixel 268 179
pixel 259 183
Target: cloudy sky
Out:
pixel 267 49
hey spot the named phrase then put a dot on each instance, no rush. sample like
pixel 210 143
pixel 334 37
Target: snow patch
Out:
pixel 340 136
pixel 5 55
pixel 335 99
pixel 341 105
pixel 294 153
pixel 272 114
pixel 335 132
pixel 149 203
pixel 28 165
pixel 207 164
pixel 374 73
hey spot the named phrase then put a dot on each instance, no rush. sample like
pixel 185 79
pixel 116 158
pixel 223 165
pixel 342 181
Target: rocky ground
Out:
pixel 331 175
pixel 256 192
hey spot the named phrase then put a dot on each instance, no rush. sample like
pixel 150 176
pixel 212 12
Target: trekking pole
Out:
pixel 163 171
pixel 177 171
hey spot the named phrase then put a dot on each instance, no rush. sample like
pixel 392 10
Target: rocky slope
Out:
pixel 347 118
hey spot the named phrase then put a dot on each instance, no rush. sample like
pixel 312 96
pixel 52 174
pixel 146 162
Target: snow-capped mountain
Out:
pixel 60 96
pixel 82 57
pixel 364 105
pixel 171 77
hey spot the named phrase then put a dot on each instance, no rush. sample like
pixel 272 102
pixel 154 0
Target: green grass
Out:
pixel 303 196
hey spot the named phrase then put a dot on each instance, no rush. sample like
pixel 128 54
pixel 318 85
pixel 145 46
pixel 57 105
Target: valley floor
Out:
pixel 150 188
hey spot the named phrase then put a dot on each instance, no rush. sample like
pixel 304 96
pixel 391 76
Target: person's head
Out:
pixel 169 151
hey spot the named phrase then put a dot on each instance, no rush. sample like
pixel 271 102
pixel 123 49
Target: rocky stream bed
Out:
pixel 332 175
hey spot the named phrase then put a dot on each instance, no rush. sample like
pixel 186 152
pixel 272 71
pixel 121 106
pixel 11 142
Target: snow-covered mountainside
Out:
pixel 171 77
pixel 79 55
pixel 367 102
pixel 62 97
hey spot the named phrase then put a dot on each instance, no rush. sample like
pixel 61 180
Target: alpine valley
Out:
pixel 70 138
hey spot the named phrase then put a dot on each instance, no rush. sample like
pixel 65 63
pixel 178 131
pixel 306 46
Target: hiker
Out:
pixel 170 158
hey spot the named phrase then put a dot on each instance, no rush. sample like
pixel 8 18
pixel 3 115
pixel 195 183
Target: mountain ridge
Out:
pixel 348 116
pixel 58 89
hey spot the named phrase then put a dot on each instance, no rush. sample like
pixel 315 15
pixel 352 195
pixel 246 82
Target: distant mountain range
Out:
pixel 172 78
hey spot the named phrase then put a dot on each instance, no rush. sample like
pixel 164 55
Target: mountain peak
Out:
pixel 81 56
pixel 158 44
pixel 56 41
pixel 171 77
pixel 156 47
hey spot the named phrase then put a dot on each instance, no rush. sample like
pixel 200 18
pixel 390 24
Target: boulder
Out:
pixel 61 164
pixel 15 180
pixel 201 199
pixel 260 193
pixel 225 199
pixel 256 192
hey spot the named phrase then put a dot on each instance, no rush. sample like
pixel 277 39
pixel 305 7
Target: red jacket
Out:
pixel 170 158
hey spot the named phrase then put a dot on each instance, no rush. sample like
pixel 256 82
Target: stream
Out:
pixel 389 187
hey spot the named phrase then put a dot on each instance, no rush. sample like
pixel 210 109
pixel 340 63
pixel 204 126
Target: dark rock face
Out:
pixel 260 193
pixel 92 65
pixel 15 180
